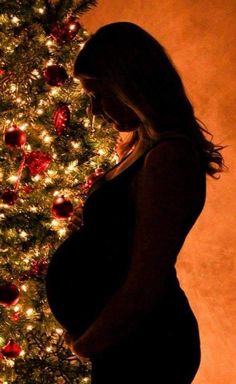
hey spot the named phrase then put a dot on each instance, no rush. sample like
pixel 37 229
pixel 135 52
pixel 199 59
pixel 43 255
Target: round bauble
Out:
pixel 14 137
pixel 65 32
pixel 62 208
pixel 55 75
pixel 9 196
pixel 11 350
pixel 9 294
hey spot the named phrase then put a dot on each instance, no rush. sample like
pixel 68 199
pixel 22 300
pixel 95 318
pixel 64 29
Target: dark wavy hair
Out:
pixel 142 75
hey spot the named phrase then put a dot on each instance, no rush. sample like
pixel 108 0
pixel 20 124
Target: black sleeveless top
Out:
pixel 92 262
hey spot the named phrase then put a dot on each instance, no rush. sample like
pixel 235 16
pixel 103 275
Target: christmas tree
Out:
pixel 51 152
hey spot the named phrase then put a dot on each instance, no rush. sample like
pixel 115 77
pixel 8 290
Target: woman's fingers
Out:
pixel 76 220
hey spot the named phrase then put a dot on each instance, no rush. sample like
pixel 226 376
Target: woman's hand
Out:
pixel 72 343
pixel 76 220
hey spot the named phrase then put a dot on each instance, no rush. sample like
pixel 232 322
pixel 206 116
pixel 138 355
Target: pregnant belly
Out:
pixel 77 283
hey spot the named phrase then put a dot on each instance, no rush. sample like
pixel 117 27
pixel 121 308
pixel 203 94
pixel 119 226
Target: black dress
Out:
pixel 92 264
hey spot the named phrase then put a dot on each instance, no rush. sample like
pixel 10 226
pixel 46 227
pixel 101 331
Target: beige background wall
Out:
pixel 200 36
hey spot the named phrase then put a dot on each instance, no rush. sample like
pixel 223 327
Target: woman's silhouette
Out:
pixel 112 284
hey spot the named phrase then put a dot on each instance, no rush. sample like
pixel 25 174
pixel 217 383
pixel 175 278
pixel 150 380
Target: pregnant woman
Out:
pixel 112 284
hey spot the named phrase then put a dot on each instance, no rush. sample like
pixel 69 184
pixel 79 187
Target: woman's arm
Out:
pixel 166 192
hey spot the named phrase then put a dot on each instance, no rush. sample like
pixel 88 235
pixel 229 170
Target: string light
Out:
pixel 24 235
pixel 12 179
pixel 10 363
pixel 48 180
pixel 75 145
pixel 17 308
pixel 36 178
pixel 24 287
pixel 15 20
pixel 101 152
pixel 50 43
pixel 54 91
pixel 29 312
pixel 22 353
pixel 50 62
pixel 59 331
pixel 29 327
pixel 33 208
pixel 36 73
pixel 41 11
pixel 47 139
pixel 62 232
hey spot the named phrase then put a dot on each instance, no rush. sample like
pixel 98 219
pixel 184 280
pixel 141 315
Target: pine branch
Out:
pixel 84 5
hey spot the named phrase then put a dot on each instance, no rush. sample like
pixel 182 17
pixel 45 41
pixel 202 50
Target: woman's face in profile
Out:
pixel 105 104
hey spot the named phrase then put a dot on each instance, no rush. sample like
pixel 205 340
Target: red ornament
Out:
pixel 14 137
pixel 37 162
pixel 62 208
pixel 11 350
pixel 9 294
pixel 55 75
pixel 15 316
pixel 61 118
pixel 65 32
pixel 9 197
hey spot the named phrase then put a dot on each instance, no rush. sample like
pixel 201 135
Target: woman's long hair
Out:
pixel 141 74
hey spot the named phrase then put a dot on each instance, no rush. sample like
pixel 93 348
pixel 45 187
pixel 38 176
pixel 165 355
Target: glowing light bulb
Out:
pixel 24 126
pixel 47 139
pixel 101 152
pixel 75 145
pixel 12 179
pixel 49 349
pixel 13 87
pixel 24 287
pixel 41 11
pixel 59 331
pixel 36 73
pixel 72 27
pixel 62 232
pixel 10 363
pixel 23 235
pixel 15 20
pixel 29 312
pixel 54 91
pixel 33 208
pixel 49 43
pixel 36 178
pixel 50 62
pixel 29 327
pixel 40 111
pixel 17 308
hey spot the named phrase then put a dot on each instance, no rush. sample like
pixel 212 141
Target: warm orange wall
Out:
pixel 201 39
